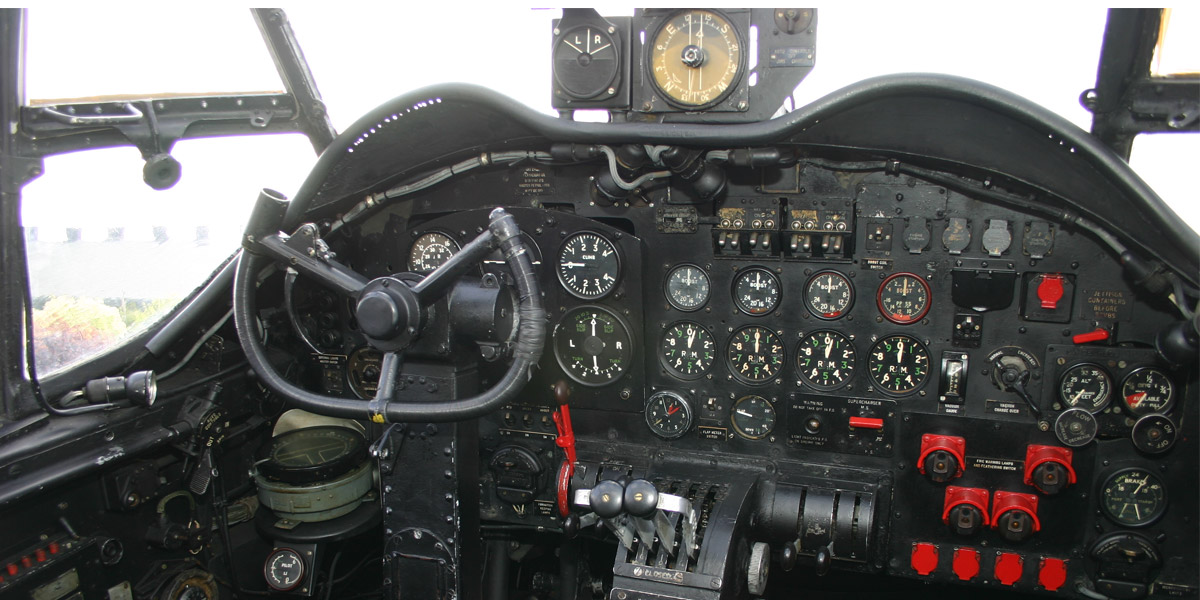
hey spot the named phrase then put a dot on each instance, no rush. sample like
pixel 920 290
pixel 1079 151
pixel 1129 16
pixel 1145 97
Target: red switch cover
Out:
pixel 966 563
pixel 954 445
pixel 1036 455
pixel 1003 502
pixel 1052 573
pixel 924 558
pixel 1050 291
pixel 1009 566
pixel 955 496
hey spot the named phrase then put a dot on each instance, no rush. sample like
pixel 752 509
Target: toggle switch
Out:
pixel 866 422
pixel 941 457
pixel 1048 468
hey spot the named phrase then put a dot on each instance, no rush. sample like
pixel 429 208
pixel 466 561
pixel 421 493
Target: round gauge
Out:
pixel 696 59
pixel 1085 386
pixel 1154 434
pixel 431 251
pixel 1133 497
pixel 899 364
pixel 687 349
pixel 687 287
pixel 826 359
pixel 755 354
pixel 363 370
pixel 1076 427
pixel 313 454
pixel 585 62
pixel 829 295
pixel 756 291
pixel 668 415
pixel 588 265
pixel 593 345
pixel 1148 390
pixel 903 298
pixel 284 569
pixel 753 417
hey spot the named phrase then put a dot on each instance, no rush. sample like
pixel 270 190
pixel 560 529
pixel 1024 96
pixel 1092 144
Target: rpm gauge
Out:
pixel 753 417
pixel 829 295
pixel 696 58
pixel 687 349
pixel 899 364
pixel 1147 391
pixel 588 265
pixel 1133 497
pixel 593 345
pixel 1085 386
pixel 431 251
pixel 755 354
pixel 756 291
pixel 687 287
pixel 903 298
pixel 826 359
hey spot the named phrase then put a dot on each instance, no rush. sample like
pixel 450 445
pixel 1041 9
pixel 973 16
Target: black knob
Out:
pixel 641 498
pixel 570 526
pixel 378 315
pixel 1050 478
pixel 824 560
pixel 1015 525
pixel 787 558
pixel 965 519
pixel 940 466
pixel 607 499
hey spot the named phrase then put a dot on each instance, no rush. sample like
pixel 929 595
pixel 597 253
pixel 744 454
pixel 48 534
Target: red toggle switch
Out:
pixel 1050 291
pixel 1036 456
pixel 40 555
pixel 966 563
pixel 53 547
pixel 924 558
pixel 866 423
pixel 12 569
pixel 1009 566
pixel 950 446
pixel 1099 335
pixel 26 562
pixel 1052 573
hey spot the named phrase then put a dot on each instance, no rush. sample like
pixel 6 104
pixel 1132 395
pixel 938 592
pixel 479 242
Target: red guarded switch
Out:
pixel 1050 291
pixel 1048 468
pixel 965 510
pixel 12 569
pixel 941 457
pixel 924 558
pixel 1099 335
pixel 39 555
pixel 1009 566
pixel 966 563
pixel 1015 515
pixel 26 562
pixel 53 547
pixel 866 423
pixel 1052 573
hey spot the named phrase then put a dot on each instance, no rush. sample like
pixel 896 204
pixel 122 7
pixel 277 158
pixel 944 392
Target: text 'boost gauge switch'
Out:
pixel 941 457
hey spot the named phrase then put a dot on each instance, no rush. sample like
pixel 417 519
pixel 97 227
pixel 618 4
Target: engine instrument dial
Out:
pixel 696 58
pixel 903 298
pixel 829 295
pixel 755 354
pixel 588 265
pixel 431 251
pixel 593 345
pixel 668 415
pixel 898 364
pixel 284 570
pixel 687 287
pixel 687 349
pixel 1085 386
pixel 1133 497
pixel 826 359
pixel 753 417
pixel 756 291
pixel 1148 390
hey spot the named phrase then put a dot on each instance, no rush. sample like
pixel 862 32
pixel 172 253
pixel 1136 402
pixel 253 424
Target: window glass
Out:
pixel 108 255
pixel 1158 158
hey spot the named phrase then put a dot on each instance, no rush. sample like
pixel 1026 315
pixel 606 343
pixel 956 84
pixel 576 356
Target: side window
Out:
pixel 108 256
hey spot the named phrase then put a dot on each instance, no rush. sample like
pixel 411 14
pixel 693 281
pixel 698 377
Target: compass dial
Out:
pixel 826 359
pixel 1148 390
pixel 829 295
pixel 756 291
pixel 903 298
pixel 696 58
pixel 687 287
pixel 431 251
pixel 755 354
pixel 588 265
pixel 593 345
pixel 899 364
pixel 687 349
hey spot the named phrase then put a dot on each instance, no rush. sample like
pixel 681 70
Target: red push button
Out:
pixel 924 558
pixel 1009 566
pixel 12 569
pixel 53 547
pixel 26 562
pixel 866 423
pixel 1099 335
pixel 966 563
pixel 40 555
pixel 1052 573
pixel 1050 291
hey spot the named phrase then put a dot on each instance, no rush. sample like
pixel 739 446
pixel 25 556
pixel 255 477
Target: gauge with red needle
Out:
pixel 668 415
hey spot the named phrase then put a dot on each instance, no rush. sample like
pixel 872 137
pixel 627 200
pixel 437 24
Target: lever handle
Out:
pixel 132 116
pixel 607 499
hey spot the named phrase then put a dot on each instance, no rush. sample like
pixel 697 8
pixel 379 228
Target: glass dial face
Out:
pixel 284 570
pixel 585 62
pixel 668 415
pixel 903 298
pixel 829 295
pixel 431 251
pixel 753 417
pixel 696 58
pixel 588 265
pixel 593 346
pixel 1148 390
pixel 1134 497
pixel 756 291
pixel 899 364
pixel 755 354
pixel 826 359
pixel 687 287
pixel 1085 386
pixel 687 349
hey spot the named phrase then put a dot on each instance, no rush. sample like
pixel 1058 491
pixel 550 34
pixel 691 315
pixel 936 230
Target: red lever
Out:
pixel 1050 291
pixel 866 423
pixel 1099 335
pixel 566 441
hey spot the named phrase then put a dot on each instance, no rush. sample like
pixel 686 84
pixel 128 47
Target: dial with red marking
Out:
pixel 668 415
pixel 1148 390
pixel 829 295
pixel 903 298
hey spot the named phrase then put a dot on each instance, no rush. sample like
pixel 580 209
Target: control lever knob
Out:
pixel 823 560
pixel 570 526
pixel 607 499
pixel 787 558
pixel 641 498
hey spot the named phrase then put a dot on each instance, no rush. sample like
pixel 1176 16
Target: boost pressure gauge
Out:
pixel 756 291
pixel 828 295
pixel 687 287
pixel 696 58
pixel 588 265
pixel 903 298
